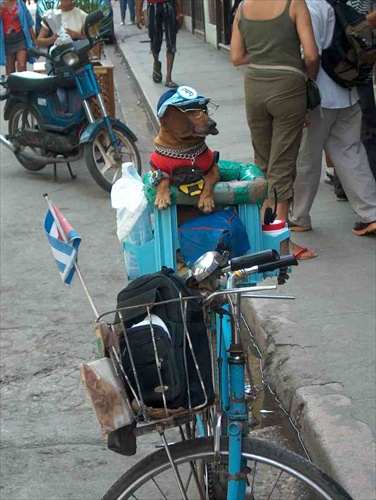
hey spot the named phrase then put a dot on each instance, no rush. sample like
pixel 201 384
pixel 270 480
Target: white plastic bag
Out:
pixel 62 36
pixel 128 197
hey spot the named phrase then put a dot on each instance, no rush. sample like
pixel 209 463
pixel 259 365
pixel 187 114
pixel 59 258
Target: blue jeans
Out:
pixel 123 9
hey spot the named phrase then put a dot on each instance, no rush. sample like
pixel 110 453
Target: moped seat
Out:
pixel 29 81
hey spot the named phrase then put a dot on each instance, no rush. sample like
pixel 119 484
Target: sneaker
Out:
pixel 363 228
pixel 122 23
pixel 131 23
pixel 329 177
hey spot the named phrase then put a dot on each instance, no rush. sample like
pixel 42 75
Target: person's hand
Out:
pixel 53 38
pixel 75 35
pixel 140 21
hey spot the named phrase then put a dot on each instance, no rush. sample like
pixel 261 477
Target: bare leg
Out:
pixel 157 69
pixel 288 246
pixel 10 64
pixel 21 60
pixel 155 57
pixel 170 62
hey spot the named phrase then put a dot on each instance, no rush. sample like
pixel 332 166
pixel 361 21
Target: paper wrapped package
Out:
pixel 107 395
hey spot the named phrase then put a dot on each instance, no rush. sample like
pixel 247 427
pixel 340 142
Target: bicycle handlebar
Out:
pixel 256 259
pixel 284 261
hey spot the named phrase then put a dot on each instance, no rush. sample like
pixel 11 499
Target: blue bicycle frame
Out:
pixel 231 381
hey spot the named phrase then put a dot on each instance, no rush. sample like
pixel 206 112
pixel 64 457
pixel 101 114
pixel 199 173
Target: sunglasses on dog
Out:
pixel 198 112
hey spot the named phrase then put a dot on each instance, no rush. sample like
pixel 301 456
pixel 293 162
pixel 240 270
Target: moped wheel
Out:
pixel 270 472
pixel 100 157
pixel 22 117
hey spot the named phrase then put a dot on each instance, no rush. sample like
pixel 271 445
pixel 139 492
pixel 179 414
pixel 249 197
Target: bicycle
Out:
pixel 216 458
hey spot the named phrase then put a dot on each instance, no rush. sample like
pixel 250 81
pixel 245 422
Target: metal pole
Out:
pixel 51 208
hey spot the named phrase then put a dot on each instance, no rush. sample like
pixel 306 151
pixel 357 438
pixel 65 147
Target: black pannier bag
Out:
pixel 157 287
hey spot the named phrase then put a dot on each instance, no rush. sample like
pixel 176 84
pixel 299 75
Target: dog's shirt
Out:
pixel 204 161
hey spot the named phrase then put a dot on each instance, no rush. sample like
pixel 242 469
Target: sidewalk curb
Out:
pixel 148 106
pixel 314 409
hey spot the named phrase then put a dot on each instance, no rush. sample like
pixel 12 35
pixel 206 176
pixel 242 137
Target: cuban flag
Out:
pixel 64 246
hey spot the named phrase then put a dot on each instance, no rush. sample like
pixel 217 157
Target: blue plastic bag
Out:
pixel 219 231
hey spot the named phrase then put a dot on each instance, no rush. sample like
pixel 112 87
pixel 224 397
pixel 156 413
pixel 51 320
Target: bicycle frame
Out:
pixel 231 366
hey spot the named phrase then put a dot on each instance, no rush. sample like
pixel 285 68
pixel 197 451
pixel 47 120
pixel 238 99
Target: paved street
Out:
pixel 52 447
pixel 320 349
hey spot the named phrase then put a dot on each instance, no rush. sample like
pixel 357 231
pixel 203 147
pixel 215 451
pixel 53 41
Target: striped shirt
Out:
pixel 362 6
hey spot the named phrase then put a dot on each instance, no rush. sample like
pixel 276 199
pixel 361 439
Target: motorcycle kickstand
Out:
pixel 73 176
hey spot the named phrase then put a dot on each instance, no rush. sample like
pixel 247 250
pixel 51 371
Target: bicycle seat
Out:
pixel 29 81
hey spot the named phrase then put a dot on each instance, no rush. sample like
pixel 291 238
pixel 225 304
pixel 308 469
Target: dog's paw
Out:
pixel 162 202
pixel 206 204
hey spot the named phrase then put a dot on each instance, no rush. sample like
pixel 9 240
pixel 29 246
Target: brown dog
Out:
pixel 181 143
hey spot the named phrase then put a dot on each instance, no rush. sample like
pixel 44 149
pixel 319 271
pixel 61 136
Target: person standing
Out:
pixel 366 93
pixel 71 17
pixel 164 16
pixel 336 127
pixel 16 35
pixel 267 37
pixel 123 9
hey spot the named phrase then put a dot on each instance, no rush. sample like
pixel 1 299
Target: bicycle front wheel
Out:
pixel 271 472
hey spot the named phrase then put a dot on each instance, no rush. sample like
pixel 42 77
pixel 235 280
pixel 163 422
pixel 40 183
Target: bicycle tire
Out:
pixel 202 448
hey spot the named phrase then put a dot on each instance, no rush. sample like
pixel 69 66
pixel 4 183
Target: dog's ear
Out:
pixel 176 123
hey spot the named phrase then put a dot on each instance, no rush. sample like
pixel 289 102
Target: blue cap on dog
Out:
pixel 182 97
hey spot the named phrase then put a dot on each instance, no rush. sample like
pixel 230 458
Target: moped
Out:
pixel 52 119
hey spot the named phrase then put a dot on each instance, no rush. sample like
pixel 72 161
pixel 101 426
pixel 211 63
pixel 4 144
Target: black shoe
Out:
pixel 363 228
pixel 341 197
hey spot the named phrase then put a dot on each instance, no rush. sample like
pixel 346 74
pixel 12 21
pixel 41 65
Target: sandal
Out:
pixel 157 74
pixel 170 84
pixel 305 254
pixel 298 229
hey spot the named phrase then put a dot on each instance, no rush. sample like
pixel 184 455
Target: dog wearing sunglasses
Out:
pixel 181 156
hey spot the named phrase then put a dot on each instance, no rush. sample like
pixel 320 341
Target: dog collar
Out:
pixel 185 154
pixel 204 161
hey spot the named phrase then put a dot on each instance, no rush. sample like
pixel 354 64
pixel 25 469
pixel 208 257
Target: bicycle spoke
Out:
pixel 188 480
pixel 157 485
pixel 275 484
pixel 253 479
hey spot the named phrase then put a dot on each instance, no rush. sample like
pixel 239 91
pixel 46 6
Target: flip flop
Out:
pixel 157 74
pixel 300 255
pixel 298 229
pixel 170 84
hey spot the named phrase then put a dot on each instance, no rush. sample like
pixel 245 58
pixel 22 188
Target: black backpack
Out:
pixel 160 286
pixel 351 55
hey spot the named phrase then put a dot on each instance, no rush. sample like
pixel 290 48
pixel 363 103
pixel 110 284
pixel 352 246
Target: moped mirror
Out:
pixel 92 18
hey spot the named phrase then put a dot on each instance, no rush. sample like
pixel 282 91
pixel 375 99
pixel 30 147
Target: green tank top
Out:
pixel 272 41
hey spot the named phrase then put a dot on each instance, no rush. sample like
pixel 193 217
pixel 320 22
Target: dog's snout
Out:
pixel 212 127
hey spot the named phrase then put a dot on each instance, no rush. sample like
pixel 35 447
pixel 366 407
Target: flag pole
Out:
pixel 57 222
